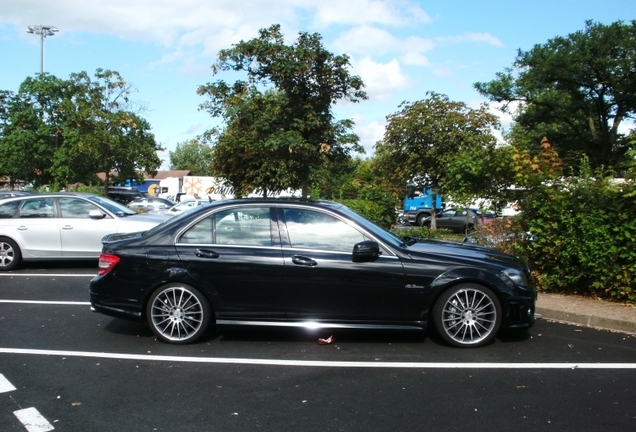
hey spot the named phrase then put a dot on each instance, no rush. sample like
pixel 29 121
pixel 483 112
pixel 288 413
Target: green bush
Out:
pixel 372 210
pixel 427 233
pixel 374 204
pixel 585 231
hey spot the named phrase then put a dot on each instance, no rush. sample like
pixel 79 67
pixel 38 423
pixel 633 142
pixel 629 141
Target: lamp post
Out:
pixel 43 31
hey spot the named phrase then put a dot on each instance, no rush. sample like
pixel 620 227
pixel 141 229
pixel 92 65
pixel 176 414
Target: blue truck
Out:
pixel 418 204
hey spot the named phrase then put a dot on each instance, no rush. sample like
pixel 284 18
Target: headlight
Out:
pixel 519 278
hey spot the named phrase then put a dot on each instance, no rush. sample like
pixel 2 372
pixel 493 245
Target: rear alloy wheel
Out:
pixel 178 313
pixel 10 255
pixel 467 315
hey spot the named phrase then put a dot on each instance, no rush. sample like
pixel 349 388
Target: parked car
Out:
pixel 485 215
pixel 455 219
pixel 124 195
pixel 62 226
pixel 313 265
pixel 150 205
pixel 185 205
pixel 12 193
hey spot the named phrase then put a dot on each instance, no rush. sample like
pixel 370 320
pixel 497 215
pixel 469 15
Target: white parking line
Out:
pixel 5 385
pixel 46 302
pixel 32 420
pixel 312 363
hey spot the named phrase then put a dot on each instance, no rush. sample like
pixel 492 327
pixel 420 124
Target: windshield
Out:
pixel 112 206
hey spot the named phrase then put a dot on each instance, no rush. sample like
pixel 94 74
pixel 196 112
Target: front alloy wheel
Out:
pixel 467 315
pixel 178 314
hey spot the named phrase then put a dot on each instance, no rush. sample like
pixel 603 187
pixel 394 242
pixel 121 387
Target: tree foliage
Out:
pixel 280 126
pixel 192 155
pixel 574 90
pixel 72 129
pixel 32 126
pixel 440 144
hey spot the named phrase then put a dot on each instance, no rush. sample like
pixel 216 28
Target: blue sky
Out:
pixel 400 48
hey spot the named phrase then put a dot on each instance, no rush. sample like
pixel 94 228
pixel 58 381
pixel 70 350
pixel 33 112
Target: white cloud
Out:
pixel 357 12
pixel 367 40
pixel 370 134
pixel 415 59
pixel 381 79
pixel 486 38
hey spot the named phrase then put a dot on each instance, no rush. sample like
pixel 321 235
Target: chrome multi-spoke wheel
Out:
pixel 467 315
pixel 178 314
pixel 9 254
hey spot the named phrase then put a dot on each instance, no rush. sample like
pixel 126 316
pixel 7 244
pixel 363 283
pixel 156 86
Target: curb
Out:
pixel 587 319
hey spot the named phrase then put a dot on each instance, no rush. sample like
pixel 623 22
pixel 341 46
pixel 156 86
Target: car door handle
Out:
pixel 22 228
pixel 67 227
pixel 204 253
pixel 304 261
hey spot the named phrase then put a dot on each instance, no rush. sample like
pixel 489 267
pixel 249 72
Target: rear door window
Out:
pixel 37 208
pixel 244 227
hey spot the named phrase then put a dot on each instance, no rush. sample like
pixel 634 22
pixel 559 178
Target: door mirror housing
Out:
pixel 96 214
pixel 367 250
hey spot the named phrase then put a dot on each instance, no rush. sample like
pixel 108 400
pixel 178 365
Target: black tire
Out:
pixel 467 315
pixel 10 255
pixel 178 313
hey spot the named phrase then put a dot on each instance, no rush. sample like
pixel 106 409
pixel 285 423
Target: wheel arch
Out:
pixel 462 275
pixel 210 297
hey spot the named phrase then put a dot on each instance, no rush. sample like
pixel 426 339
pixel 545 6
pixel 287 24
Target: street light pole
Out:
pixel 43 31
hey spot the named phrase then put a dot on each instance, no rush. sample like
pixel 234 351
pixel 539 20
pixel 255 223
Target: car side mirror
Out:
pixel 96 214
pixel 367 250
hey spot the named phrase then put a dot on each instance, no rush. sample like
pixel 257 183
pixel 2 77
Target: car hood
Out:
pixel 155 218
pixel 462 251
pixel 139 222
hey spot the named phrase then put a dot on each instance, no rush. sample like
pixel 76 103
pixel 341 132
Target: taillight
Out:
pixel 106 263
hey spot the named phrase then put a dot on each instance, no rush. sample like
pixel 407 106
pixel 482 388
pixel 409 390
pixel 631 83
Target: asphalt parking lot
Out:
pixel 84 371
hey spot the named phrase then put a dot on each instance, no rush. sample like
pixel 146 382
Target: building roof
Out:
pixel 170 173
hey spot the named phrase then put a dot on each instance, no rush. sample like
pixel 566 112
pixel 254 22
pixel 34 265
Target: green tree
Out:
pixel 574 90
pixel 32 129
pixel 103 132
pixel 425 138
pixel 306 81
pixel 256 149
pixel 194 156
pixel 72 129
pixel 483 172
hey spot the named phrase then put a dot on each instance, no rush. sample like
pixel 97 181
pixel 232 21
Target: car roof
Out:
pixel 53 194
pixel 273 202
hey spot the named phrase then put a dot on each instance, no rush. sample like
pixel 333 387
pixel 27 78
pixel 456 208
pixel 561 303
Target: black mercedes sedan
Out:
pixel 309 264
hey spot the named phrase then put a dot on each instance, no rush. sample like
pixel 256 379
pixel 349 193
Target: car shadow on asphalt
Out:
pixel 513 336
pixel 300 335
pixel 129 328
